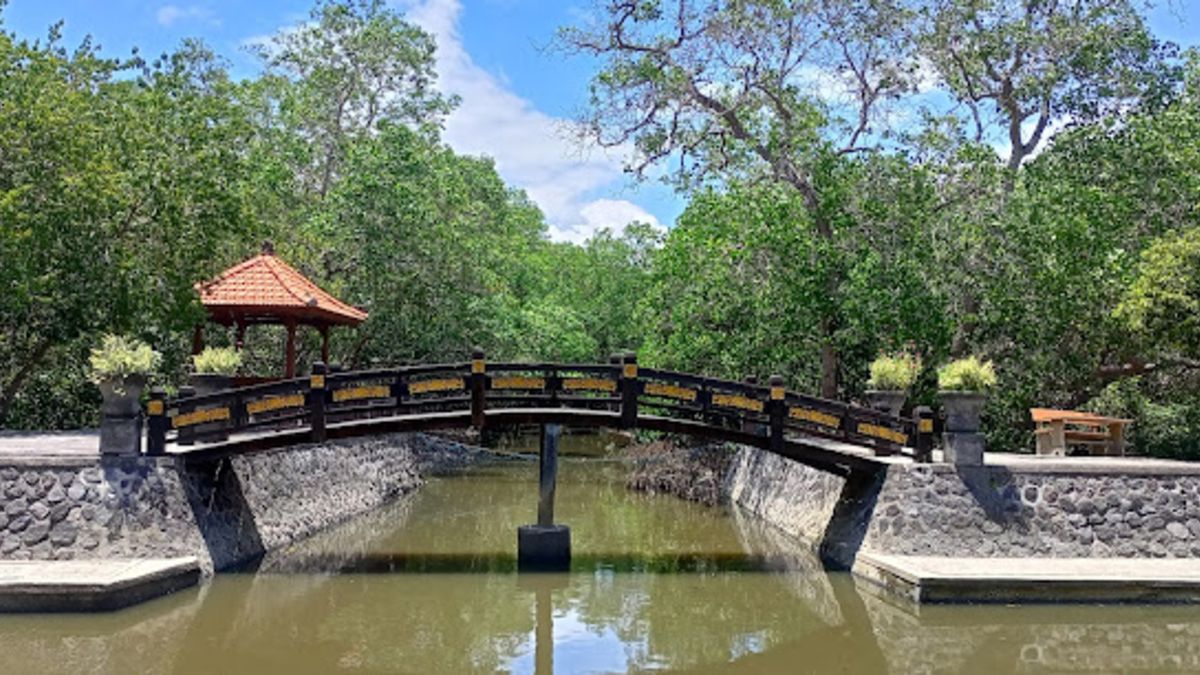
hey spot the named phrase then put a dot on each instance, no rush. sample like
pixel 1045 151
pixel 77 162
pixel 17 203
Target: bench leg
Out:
pixel 1058 438
pixel 1043 443
pixel 1052 439
pixel 1116 439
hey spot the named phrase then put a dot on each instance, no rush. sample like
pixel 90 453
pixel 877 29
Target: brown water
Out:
pixel 426 586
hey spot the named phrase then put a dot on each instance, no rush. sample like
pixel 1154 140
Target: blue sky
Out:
pixel 517 97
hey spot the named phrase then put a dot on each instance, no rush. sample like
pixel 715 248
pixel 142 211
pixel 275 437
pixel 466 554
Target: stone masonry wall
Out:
pixel 792 497
pixel 990 511
pixel 223 512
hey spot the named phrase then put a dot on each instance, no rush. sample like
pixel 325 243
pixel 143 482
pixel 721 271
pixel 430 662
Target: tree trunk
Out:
pixel 829 370
pixel 17 382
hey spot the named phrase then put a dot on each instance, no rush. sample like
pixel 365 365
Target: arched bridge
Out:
pixel 829 435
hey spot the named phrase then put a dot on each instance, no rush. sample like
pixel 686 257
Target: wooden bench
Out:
pixel 1056 429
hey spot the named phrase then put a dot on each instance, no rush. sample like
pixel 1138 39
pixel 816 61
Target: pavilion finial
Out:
pixel 267 247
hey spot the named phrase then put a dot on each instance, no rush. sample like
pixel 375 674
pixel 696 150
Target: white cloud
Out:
pixel 614 214
pixel 532 150
pixel 168 15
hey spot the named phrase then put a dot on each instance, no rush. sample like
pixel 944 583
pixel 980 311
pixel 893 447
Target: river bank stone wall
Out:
pixel 999 512
pixel 990 511
pixel 225 512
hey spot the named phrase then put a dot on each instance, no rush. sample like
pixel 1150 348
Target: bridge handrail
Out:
pixel 249 391
pixel 558 367
pixel 397 372
pixel 766 412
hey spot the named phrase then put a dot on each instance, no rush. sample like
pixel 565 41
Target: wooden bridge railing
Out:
pixel 472 389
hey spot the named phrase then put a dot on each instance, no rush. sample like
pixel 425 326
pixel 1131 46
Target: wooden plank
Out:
pixel 669 391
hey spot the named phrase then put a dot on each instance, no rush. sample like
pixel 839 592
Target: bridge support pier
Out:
pixel 545 546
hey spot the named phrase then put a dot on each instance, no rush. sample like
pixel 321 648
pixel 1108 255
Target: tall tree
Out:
pixel 116 195
pixel 749 90
pixel 1023 66
pixel 354 64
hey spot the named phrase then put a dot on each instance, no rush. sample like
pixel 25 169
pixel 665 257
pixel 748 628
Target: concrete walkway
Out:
pixel 26 444
pixel 90 585
pixel 1031 580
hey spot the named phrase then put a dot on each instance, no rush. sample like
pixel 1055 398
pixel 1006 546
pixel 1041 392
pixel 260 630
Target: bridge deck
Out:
pixel 831 455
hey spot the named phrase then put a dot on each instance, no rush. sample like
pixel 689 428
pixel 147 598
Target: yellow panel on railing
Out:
pixel 670 391
pixel 737 401
pixel 589 384
pixel 430 386
pixel 815 416
pixel 882 432
pixel 270 403
pixel 359 393
pixel 200 417
pixel 515 382
pixel 925 426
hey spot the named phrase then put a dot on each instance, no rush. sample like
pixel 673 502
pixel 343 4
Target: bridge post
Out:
pixel 749 426
pixel 545 546
pixel 548 473
pixel 629 391
pixel 923 448
pixel 775 409
pixel 478 387
pixel 156 422
pixel 316 402
pixel 185 435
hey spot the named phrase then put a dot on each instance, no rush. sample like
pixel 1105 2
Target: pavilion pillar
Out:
pixel 198 339
pixel 290 365
pixel 241 335
pixel 325 345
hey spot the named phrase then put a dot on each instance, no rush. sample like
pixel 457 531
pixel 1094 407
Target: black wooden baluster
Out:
pixel 316 402
pixel 478 388
pixel 775 408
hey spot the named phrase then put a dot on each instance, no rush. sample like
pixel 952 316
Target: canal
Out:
pixel 428 585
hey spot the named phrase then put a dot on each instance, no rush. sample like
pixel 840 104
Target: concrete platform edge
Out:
pixel 909 585
pixel 75 593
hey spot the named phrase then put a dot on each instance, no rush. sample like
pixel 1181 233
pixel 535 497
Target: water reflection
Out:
pixel 657 584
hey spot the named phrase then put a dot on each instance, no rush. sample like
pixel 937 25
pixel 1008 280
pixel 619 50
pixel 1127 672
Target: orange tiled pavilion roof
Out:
pixel 266 289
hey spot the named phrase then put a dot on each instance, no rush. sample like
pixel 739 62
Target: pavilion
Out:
pixel 266 290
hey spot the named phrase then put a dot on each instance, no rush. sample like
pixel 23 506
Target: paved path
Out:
pixel 83 443
pixel 1032 580
pixel 90 585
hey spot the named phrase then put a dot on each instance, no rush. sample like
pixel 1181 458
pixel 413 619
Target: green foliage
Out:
pixel 119 357
pixel 1162 305
pixel 1161 429
pixel 815 237
pixel 969 374
pixel 217 361
pixel 895 372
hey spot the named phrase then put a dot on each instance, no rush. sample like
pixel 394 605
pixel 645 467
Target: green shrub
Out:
pixel 1168 429
pixel 969 374
pixel 217 361
pixel 894 372
pixel 119 357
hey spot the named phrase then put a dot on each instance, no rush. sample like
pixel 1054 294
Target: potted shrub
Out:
pixel 963 386
pixel 120 367
pixel 213 369
pixel 891 377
